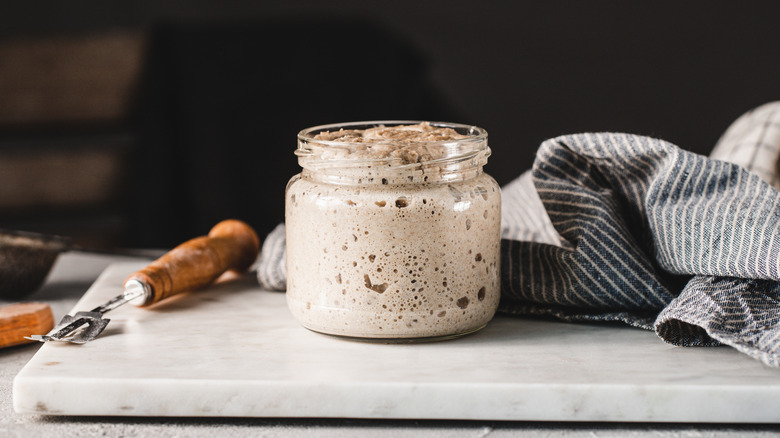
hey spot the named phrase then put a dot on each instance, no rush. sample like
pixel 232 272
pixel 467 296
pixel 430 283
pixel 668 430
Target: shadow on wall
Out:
pixel 220 107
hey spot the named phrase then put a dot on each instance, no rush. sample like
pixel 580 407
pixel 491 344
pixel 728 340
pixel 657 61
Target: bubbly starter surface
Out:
pixel 393 261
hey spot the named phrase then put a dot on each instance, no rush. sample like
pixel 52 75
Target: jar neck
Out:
pixel 392 152
pixel 449 170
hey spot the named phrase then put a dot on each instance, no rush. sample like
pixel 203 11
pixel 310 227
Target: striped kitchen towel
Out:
pixel 620 227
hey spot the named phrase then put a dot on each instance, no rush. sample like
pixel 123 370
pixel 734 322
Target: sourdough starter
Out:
pixel 405 244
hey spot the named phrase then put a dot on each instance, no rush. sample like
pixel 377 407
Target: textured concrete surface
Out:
pixel 75 272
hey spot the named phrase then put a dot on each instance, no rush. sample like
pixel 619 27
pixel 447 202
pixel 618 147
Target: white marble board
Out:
pixel 233 350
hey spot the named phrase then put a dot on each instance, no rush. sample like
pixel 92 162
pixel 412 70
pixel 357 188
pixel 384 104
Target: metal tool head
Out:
pixel 86 326
pixel 78 329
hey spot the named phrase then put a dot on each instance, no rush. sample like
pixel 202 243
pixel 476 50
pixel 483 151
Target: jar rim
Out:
pixel 310 151
pixel 474 133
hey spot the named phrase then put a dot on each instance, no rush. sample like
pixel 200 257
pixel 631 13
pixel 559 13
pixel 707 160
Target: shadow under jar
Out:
pixel 393 231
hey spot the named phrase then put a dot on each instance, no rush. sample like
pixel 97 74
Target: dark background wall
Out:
pixel 211 94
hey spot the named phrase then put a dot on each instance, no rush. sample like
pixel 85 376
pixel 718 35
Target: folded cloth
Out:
pixel 658 238
pixel 753 142
pixel 620 227
pixel 271 264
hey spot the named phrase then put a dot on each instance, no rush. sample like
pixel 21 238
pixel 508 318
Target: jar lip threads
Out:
pixel 393 231
pixel 357 149
pixel 468 131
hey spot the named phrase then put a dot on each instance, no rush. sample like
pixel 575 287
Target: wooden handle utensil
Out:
pixel 230 246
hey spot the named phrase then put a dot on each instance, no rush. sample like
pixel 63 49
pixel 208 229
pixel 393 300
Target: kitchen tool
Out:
pixel 26 259
pixel 23 319
pixel 230 245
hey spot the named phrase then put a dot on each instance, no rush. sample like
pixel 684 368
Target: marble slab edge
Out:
pixel 575 403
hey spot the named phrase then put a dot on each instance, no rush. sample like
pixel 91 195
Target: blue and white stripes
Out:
pixel 642 217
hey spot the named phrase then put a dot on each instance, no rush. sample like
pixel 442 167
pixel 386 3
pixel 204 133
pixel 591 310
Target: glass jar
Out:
pixel 390 239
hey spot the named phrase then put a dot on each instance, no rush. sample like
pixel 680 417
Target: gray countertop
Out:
pixel 73 274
